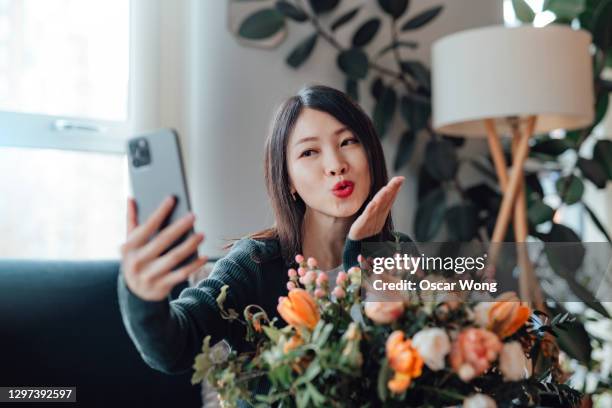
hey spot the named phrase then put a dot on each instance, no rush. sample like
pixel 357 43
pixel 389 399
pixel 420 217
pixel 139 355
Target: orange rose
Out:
pixel 473 352
pixel 299 309
pixel 507 314
pixel 404 360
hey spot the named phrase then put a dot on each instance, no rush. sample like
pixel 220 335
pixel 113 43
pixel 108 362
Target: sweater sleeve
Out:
pixel 352 249
pixel 169 334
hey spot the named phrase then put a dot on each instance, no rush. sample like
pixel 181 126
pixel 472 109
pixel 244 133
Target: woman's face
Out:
pixel 328 166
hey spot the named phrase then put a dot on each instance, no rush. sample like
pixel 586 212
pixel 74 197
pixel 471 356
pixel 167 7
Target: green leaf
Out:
pixel 485 170
pixel 523 11
pixel 565 9
pixel 291 11
pixel 394 8
pixel 366 32
pixel 573 136
pixel 345 18
pixel 377 87
pixel 311 373
pixel 352 89
pixel 533 186
pixel 462 222
pixel 441 160
pixel 602 153
pixel 323 6
pixel 422 19
pixel 302 51
pixel 602 33
pixel 418 71
pixel 574 190
pixel 561 233
pixel 601 107
pixel 539 213
pixel 317 398
pixel 429 215
pixel 575 341
pixel 384 374
pixel 273 333
pixel 354 63
pixel 483 196
pixel 404 150
pixel 398 44
pixel 262 24
pixel 596 221
pixel 593 171
pixel 384 110
pixel 415 113
pixel 325 333
pixel 426 182
pixel 553 147
pixel 564 259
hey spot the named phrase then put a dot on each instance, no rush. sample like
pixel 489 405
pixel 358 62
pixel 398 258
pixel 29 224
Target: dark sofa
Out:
pixel 60 326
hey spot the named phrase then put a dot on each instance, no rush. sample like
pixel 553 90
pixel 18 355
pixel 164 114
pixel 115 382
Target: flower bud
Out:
pixel 312 263
pixel 338 292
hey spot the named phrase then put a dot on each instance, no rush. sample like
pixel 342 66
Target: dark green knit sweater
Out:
pixel 169 334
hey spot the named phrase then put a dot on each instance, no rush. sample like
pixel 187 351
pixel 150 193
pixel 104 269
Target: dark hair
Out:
pixel 288 213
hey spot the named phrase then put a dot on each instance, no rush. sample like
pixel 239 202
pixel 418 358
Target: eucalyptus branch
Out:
pixel 409 87
pixel 332 41
pixel 566 183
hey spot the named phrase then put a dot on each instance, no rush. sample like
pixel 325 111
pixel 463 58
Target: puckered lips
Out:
pixel 343 188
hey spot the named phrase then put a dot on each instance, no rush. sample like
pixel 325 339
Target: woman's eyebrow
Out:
pixel 314 138
pixel 306 139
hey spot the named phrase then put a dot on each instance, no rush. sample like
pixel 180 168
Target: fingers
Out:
pixel 166 237
pixel 172 279
pixel 132 221
pixel 387 194
pixel 161 265
pixel 394 187
pixel 141 233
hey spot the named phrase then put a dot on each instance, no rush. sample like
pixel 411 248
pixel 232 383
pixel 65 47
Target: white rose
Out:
pixel 513 363
pixel 433 345
pixel 479 401
pixel 481 313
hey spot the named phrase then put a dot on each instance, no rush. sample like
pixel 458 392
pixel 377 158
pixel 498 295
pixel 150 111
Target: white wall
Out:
pixel 233 90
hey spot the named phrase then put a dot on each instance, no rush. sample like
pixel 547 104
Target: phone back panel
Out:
pixel 159 175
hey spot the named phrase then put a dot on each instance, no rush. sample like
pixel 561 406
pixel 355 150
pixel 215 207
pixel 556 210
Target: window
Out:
pixel 64 118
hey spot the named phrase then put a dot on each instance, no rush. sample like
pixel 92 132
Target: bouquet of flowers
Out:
pixel 337 350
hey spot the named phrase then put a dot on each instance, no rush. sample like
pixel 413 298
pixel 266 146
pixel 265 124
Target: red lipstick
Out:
pixel 343 189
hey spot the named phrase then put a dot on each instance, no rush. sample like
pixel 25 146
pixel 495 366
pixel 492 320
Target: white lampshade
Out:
pixel 498 72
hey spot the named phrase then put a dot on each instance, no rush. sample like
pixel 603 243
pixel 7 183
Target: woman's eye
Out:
pixel 307 153
pixel 351 140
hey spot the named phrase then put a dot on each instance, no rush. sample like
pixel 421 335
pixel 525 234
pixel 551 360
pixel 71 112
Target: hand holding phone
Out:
pixel 148 265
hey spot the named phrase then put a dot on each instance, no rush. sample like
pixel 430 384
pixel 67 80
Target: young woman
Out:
pixel 328 185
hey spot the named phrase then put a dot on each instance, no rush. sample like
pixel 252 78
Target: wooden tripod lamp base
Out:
pixel 514 203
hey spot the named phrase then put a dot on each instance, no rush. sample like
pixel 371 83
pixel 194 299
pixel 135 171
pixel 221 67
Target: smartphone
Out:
pixel 156 171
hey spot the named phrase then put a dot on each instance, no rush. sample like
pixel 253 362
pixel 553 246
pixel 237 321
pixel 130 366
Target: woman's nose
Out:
pixel 336 166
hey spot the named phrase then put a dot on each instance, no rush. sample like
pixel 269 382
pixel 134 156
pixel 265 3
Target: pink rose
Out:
pixel 384 312
pixel 473 352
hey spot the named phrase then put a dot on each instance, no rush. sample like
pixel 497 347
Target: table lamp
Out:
pixel 515 82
